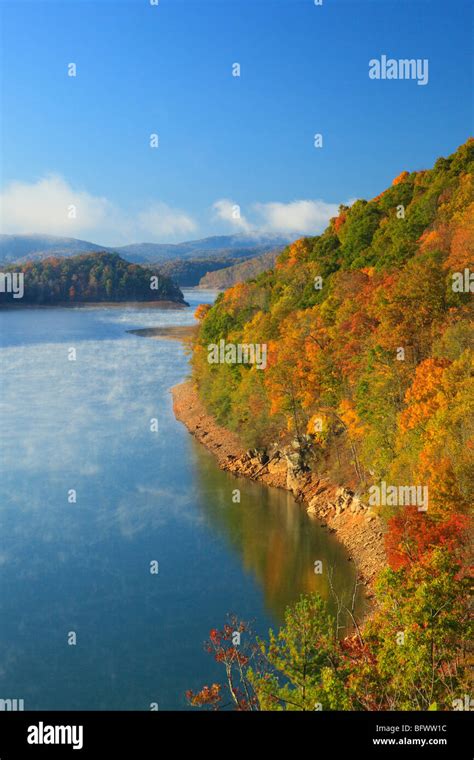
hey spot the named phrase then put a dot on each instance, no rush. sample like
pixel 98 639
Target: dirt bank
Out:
pixel 338 509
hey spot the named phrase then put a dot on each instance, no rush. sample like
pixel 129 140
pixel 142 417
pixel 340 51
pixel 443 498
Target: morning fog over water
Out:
pixel 90 496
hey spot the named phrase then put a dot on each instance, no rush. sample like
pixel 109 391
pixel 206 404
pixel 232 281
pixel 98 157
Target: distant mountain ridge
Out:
pixel 16 248
pixel 219 246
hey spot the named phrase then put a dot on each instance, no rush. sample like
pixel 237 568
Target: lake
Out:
pixel 91 495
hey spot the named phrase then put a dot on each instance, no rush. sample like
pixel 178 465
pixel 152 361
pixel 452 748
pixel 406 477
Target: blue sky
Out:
pixel 223 141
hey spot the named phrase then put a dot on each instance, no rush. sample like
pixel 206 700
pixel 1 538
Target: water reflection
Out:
pixel 275 540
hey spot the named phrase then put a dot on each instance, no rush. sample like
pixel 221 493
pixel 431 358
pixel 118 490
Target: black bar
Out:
pixel 151 734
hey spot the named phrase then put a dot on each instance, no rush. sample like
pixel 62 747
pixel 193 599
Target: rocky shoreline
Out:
pixel 338 509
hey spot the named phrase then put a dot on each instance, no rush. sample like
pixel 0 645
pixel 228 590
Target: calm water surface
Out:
pixel 84 567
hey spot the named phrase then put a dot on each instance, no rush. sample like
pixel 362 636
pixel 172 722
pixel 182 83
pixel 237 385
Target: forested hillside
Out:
pixel 369 338
pixel 245 270
pixel 187 273
pixel 369 379
pixel 88 278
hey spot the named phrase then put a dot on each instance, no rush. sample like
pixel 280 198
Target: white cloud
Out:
pixel 309 217
pixel 229 211
pixel 50 206
pixel 54 207
pixel 297 217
